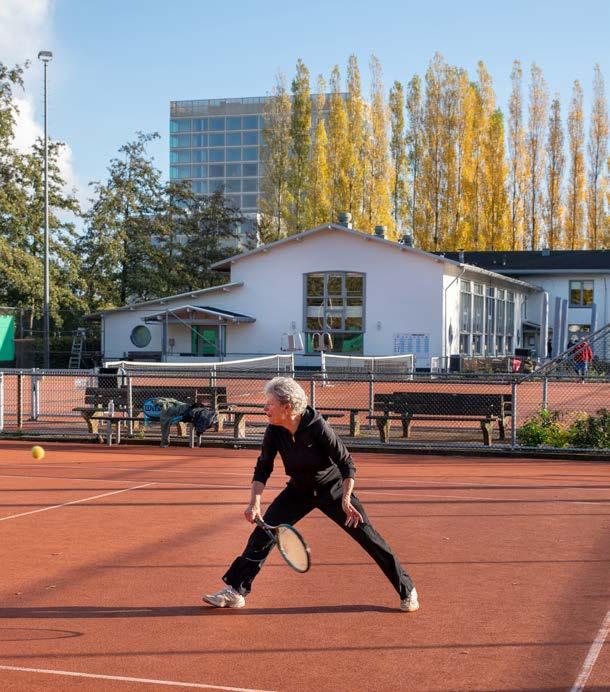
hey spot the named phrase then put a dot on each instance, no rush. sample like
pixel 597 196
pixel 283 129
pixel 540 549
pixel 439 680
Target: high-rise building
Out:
pixel 216 143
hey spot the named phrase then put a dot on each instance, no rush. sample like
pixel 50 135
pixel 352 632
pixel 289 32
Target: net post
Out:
pixel 35 399
pixel 20 400
pixel 545 393
pixel 371 396
pixel 129 405
pixel 513 415
pixel 1 402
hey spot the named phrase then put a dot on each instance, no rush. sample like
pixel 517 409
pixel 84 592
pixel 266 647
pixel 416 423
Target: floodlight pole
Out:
pixel 46 56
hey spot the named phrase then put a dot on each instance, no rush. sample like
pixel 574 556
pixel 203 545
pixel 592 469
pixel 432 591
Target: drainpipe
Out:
pixel 459 276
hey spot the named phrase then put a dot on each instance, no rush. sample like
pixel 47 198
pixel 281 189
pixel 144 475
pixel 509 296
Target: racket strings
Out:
pixel 293 548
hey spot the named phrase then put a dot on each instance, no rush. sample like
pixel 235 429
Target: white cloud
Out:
pixel 26 28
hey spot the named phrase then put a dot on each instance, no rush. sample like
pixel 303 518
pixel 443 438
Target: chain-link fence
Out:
pixel 433 410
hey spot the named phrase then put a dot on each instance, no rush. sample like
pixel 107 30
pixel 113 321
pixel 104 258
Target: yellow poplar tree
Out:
pixel 433 174
pixel 536 155
pixel 518 162
pixel 380 207
pixel 554 178
pixel 337 147
pixel 300 145
pixel 575 207
pixel 598 152
pixel 319 179
pixel 275 197
pixel 415 144
pixel 398 154
pixel 495 200
pixel 355 145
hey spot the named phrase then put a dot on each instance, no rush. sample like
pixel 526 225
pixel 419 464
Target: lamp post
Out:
pixel 46 56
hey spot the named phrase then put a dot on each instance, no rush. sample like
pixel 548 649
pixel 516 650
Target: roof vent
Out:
pixel 545 252
pixel 345 219
pixel 380 231
pixel 461 255
pixel 407 239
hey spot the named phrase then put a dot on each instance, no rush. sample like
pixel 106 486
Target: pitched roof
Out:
pixel 225 265
pixel 537 261
pixel 148 304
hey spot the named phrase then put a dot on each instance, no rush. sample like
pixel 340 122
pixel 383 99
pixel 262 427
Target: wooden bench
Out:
pixel 99 398
pixel 239 411
pixel 446 406
pixel 354 421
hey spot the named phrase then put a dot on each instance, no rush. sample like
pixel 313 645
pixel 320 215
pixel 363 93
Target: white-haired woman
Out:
pixel 321 474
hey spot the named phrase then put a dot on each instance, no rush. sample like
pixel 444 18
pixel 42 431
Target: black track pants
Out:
pixel 293 504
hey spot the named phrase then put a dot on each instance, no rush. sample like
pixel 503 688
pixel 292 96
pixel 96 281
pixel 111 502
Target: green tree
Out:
pixel 121 227
pixel 22 221
pixel 210 230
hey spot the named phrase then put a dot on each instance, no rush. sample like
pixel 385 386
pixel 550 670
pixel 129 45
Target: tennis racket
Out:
pixel 290 543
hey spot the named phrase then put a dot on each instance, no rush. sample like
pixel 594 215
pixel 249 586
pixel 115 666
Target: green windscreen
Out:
pixel 7 338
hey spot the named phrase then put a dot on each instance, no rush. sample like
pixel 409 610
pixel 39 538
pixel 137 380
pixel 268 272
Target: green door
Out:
pixel 7 338
pixel 205 341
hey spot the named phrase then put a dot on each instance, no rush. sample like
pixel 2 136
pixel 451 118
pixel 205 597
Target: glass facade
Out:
pixel 225 135
pixel 487 320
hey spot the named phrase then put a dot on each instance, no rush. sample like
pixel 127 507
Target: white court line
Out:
pixel 596 647
pixel 477 497
pixel 205 486
pixel 122 678
pixel 75 502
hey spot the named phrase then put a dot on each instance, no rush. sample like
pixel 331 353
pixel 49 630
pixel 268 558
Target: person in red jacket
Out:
pixel 582 355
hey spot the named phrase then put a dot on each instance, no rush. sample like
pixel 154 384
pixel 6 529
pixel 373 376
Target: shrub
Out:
pixel 590 431
pixel 543 429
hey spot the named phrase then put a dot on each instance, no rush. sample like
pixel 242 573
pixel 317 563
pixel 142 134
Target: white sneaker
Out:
pixel 226 598
pixel 410 603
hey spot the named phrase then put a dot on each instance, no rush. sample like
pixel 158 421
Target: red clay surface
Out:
pixel 511 560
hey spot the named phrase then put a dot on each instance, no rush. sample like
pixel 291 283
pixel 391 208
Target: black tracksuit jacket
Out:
pixel 315 458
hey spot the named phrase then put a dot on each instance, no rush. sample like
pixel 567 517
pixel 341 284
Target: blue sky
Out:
pixel 119 63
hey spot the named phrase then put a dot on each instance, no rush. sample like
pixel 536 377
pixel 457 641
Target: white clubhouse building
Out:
pixel 374 297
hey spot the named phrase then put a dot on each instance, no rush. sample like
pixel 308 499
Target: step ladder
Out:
pixel 78 341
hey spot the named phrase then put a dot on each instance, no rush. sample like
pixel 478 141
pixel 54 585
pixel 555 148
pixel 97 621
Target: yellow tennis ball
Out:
pixel 37 452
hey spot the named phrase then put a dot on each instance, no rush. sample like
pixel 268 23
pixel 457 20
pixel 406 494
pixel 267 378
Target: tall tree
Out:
pixel 398 154
pixel 538 105
pixel 495 204
pixel 275 196
pixel 380 208
pixel 554 178
pixel 517 154
pixel 319 180
pixel 356 111
pixel 337 147
pixel 300 145
pixel 598 153
pixel 122 257
pixel 415 143
pixel 575 198
pixel 22 221
pixel 210 229
pixel 433 173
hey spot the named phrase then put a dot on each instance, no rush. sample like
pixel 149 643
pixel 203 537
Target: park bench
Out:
pixel 130 409
pixel 487 409
pixel 237 413
pixel 352 412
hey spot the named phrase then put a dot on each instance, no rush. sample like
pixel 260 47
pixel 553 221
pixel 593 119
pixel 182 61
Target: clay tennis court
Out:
pixel 106 552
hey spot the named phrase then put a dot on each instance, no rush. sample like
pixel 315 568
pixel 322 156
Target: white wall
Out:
pixel 403 290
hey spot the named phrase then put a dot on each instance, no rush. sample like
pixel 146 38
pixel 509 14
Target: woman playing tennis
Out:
pixel 321 474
